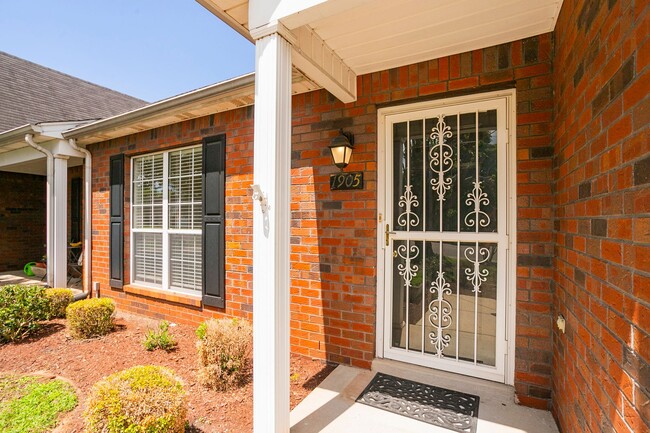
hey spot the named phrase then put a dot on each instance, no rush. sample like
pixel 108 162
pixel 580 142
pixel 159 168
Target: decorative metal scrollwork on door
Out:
pixel 408 200
pixel 476 275
pixel 440 313
pixel 406 269
pixel 441 155
pixel 442 200
pixel 477 198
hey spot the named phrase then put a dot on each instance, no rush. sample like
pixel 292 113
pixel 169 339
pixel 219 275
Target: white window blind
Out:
pixel 166 219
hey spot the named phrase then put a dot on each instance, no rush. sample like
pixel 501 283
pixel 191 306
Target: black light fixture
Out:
pixel 341 147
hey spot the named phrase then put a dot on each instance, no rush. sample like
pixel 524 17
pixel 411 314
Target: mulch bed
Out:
pixel 53 352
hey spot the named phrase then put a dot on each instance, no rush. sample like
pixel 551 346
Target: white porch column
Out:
pixel 60 222
pixel 272 165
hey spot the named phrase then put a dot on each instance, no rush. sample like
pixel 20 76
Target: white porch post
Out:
pixel 272 165
pixel 60 219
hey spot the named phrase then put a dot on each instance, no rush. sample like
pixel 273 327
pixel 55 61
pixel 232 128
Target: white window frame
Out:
pixel 166 232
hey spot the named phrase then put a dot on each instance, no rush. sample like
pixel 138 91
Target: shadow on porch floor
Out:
pixel 19 277
pixel 331 407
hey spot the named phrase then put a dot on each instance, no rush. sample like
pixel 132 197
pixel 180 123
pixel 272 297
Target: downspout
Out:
pixel 29 138
pixel 88 173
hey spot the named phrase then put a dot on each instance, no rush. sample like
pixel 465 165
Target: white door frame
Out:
pixel 511 212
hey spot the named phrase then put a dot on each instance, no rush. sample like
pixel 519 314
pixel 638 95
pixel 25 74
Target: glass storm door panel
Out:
pixel 446 238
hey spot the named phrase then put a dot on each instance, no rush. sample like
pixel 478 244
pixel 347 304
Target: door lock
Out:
pixel 388 233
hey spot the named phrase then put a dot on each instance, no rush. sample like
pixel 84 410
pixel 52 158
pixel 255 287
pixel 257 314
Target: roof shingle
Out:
pixel 31 93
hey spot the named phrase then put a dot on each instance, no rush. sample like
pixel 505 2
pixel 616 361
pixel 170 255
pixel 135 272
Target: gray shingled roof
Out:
pixel 30 93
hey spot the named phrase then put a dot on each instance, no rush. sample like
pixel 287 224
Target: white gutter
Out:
pixel 223 90
pixel 29 138
pixel 87 250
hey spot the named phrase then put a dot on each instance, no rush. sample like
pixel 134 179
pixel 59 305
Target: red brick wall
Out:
pixel 601 375
pixel 22 219
pixel 334 233
pixel 238 125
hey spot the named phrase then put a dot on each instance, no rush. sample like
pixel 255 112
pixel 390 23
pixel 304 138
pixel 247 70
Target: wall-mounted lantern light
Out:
pixel 341 147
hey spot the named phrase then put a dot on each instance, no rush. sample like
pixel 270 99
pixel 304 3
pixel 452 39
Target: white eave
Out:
pixel 14 139
pixel 224 96
pixel 19 157
pixel 370 36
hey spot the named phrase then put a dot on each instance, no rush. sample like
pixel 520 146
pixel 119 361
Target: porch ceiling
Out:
pixel 371 36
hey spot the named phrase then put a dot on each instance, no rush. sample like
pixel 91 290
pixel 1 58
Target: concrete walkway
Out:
pixel 331 407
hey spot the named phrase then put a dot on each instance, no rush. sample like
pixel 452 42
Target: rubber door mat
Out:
pixel 442 407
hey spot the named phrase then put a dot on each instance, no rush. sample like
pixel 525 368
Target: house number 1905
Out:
pixel 344 181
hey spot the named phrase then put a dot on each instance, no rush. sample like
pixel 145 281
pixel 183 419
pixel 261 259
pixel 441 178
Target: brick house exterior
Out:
pixel 600 376
pixel 334 235
pixel 583 248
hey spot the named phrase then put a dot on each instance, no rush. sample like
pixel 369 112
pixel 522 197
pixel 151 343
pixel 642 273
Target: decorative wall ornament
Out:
pixel 477 198
pixel 441 155
pixel 406 270
pixel 440 313
pixel 476 275
pixel 408 200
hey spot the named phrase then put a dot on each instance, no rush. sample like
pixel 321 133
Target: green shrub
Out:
pixel 141 399
pixel 90 317
pixel 59 301
pixel 200 331
pixel 21 310
pixel 160 339
pixel 224 349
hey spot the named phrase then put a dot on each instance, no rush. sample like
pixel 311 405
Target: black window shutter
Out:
pixel 116 231
pixel 214 241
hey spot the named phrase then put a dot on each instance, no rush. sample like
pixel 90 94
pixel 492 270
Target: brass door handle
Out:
pixel 387 234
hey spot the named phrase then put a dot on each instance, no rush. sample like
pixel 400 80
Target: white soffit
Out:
pixel 387 33
pixel 187 106
pixel 385 36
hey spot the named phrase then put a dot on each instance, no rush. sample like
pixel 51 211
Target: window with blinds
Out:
pixel 166 216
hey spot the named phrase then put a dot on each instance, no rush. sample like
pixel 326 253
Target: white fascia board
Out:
pixel 16 135
pixel 319 62
pixel 263 12
pixel 314 58
pixel 56 129
pixel 19 156
pixel 234 86
pixel 295 13
pixel 62 148
pixel 213 6
pixel 27 153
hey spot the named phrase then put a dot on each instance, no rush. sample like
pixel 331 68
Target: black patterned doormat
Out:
pixel 442 407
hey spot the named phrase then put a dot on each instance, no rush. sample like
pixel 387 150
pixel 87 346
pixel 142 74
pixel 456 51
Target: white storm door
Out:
pixel 446 242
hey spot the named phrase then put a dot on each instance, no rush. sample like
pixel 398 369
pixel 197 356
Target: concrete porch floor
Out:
pixel 331 407
pixel 19 277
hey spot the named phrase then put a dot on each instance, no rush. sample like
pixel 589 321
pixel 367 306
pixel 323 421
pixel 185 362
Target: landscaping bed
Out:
pixel 52 352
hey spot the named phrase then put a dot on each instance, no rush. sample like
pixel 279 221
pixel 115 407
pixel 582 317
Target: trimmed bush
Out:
pixel 141 399
pixel 224 349
pixel 160 339
pixel 90 317
pixel 21 310
pixel 59 301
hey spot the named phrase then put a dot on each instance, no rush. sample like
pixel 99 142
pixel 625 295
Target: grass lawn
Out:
pixel 32 404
